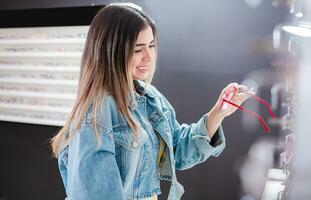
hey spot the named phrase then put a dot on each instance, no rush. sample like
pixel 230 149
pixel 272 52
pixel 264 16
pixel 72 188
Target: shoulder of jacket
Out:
pixel 107 112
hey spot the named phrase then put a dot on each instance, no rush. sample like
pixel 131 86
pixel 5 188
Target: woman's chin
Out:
pixel 141 77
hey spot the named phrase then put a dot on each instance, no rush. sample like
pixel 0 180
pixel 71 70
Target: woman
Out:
pixel 122 136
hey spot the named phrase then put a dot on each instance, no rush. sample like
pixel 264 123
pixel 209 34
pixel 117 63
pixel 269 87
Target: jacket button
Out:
pixel 134 144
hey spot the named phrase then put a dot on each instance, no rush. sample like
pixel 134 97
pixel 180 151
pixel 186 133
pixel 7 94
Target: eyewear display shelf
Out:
pixel 39 72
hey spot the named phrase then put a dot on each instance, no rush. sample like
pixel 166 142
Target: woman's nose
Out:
pixel 147 55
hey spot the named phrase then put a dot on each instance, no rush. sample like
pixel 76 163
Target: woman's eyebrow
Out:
pixel 143 44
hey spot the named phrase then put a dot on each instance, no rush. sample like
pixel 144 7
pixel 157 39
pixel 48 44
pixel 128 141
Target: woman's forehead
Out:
pixel 145 36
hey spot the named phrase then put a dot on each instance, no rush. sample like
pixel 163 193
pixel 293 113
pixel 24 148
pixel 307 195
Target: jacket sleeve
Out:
pixel 191 142
pixel 92 168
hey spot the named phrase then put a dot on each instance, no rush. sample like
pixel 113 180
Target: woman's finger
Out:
pixel 242 96
pixel 228 88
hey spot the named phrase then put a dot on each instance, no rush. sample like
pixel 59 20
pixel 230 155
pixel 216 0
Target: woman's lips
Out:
pixel 143 69
pixel 143 66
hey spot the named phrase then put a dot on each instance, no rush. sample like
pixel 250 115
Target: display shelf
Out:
pixel 41 41
pixel 39 72
pixel 6 106
pixel 41 54
pixel 274 185
pixel 57 89
pixel 32 120
pixel 41 95
pixel 40 82
pixel 40 68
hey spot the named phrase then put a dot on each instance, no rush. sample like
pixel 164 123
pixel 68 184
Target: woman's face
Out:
pixel 143 60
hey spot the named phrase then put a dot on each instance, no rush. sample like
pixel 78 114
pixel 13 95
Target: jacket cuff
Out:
pixel 216 143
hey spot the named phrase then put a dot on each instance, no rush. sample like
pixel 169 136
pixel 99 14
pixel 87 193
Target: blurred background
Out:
pixel 203 46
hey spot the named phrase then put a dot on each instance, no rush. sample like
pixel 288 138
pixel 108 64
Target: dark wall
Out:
pixel 204 45
pixel 27 170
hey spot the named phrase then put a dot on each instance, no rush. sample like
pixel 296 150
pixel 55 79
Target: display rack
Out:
pixel 39 72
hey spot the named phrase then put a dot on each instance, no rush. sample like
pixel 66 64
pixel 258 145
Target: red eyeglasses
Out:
pixel 227 99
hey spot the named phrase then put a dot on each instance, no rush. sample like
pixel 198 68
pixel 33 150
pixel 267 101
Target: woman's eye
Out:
pixel 140 50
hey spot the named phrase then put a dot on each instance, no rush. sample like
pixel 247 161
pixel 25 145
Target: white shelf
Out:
pixel 274 184
pixel 41 54
pixel 277 174
pixel 40 95
pixel 32 120
pixel 43 41
pixel 40 82
pixel 31 57
pixel 74 69
pixel 7 106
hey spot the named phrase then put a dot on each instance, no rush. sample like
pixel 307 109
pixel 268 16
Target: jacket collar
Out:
pixel 141 89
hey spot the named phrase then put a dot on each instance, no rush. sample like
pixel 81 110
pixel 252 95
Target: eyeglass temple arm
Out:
pixel 265 103
pixel 262 121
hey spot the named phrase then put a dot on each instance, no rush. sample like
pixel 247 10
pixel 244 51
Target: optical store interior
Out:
pixel 202 46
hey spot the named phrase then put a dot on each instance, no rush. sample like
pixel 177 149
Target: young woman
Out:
pixel 122 136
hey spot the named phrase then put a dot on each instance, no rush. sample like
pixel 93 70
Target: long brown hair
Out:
pixel 108 50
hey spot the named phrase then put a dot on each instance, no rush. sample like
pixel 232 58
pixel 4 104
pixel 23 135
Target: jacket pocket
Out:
pixel 124 136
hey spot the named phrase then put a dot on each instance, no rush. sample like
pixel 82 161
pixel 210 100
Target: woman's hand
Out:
pixel 232 93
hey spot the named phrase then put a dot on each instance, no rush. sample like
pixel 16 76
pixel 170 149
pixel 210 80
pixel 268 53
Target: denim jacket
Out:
pixel 121 167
